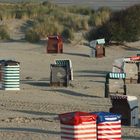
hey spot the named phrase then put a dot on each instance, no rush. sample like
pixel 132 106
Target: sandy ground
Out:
pixel 31 113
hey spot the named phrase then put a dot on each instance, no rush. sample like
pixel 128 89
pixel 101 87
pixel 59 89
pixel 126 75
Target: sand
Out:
pixel 32 112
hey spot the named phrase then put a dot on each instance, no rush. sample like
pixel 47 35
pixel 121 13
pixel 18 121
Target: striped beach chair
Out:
pixel 11 75
pixel 108 126
pixel 78 126
pixel 68 63
pixel 115 83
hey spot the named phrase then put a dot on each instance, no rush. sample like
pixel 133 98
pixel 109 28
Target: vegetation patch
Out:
pixel 122 26
pixel 4 33
pixel 51 19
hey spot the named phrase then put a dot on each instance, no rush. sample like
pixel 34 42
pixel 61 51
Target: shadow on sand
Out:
pixel 99 82
pixel 131 49
pixel 42 43
pixel 72 93
pixel 14 41
pixel 125 46
pixel 91 73
pixel 36 83
pixel 35 112
pixel 32 130
pixel 77 54
pixel 130 138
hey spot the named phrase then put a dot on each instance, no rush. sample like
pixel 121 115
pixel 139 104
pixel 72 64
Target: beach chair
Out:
pixel 65 62
pixel 115 84
pixel 97 48
pixel 131 70
pixel 59 75
pixel 127 106
pixel 108 126
pixel 55 44
pixel 10 75
pixel 78 126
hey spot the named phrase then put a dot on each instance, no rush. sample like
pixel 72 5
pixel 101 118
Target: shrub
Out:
pixel 20 14
pixel 100 17
pixel 84 24
pixel 46 3
pixel 81 10
pixel 4 33
pixel 125 25
pixel 47 26
pixel 100 32
pixel 32 36
pixel 132 23
pixel 122 26
pixel 68 34
pixel 75 22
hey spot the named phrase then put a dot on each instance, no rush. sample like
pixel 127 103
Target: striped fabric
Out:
pixel 118 96
pixel 116 75
pixel 63 62
pixel 108 126
pixel 135 58
pixel 78 126
pixel 11 77
pixel 110 130
pixel 85 130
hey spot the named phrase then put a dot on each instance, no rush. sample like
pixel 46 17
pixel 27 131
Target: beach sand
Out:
pixel 32 112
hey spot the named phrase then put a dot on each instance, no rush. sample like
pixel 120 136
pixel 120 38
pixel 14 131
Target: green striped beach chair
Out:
pixel 11 75
pixel 115 83
pixel 113 75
